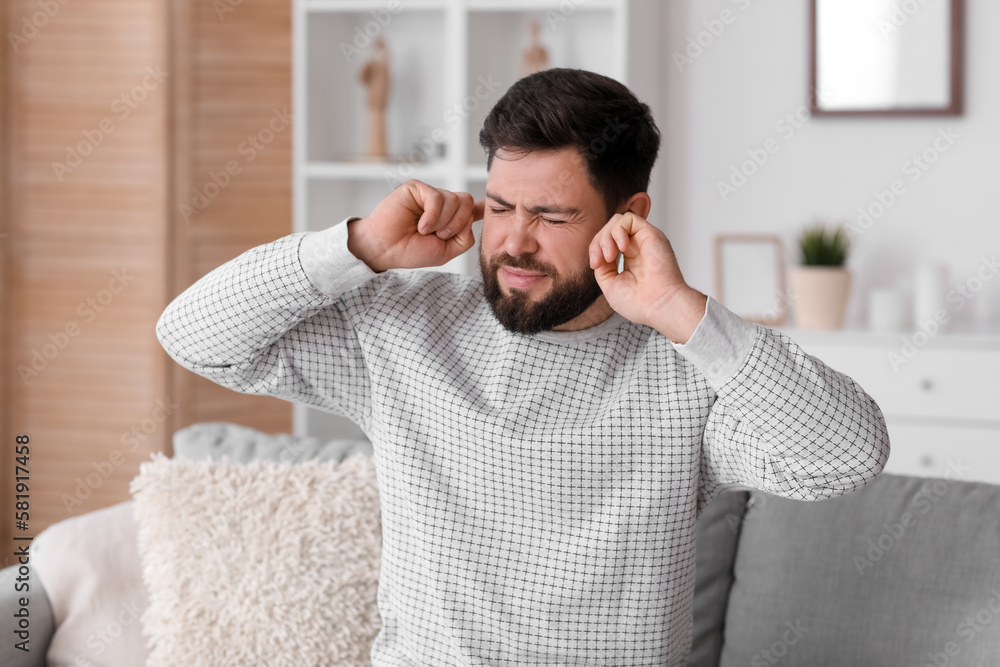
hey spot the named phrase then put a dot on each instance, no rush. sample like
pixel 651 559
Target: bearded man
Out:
pixel 547 433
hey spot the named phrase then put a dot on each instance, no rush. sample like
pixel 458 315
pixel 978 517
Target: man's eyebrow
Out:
pixel 544 208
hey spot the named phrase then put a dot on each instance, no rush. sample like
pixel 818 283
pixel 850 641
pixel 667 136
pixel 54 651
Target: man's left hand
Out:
pixel 650 289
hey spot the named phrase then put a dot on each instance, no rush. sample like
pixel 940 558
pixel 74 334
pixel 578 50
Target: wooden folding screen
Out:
pixel 115 113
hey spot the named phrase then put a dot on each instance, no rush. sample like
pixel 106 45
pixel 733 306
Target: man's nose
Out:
pixel 520 239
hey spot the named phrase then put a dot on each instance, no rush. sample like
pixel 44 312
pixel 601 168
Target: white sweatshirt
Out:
pixel 539 493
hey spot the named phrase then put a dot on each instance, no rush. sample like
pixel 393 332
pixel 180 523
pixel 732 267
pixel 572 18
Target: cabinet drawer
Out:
pixel 972 454
pixel 941 383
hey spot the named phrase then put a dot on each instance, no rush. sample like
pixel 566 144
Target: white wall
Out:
pixel 755 72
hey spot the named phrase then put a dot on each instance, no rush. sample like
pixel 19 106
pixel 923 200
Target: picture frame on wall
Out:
pixel 750 277
pixel 863 63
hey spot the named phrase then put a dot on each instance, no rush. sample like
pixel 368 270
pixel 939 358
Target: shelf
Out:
pixel 335 113
pixel 498 33
pixel 317 6
pixel 561 6
pixel 387 172
pixel 564 7
pixel 964 338
pixel 451 60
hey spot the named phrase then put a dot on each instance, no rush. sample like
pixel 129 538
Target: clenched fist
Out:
pixel 415 226
pixel 650 290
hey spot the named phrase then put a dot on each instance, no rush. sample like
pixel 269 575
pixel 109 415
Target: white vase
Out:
pixel 886 311
pixel 819 294
pixel 930 287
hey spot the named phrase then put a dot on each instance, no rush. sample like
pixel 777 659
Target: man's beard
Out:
pixel 568 298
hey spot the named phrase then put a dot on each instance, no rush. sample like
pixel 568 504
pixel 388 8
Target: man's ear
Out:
pixel 639 204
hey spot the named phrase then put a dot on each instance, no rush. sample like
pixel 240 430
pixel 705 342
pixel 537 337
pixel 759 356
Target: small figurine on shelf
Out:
pixel 536 58
pixel 375 77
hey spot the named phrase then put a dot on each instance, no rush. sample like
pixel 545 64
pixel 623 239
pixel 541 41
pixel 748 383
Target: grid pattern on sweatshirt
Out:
pixel 539 499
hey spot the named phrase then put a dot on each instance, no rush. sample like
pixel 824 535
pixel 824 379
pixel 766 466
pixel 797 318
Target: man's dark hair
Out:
pixel 600 117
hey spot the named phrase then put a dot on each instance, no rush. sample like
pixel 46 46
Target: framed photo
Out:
pixel 886 58
pixel 750 277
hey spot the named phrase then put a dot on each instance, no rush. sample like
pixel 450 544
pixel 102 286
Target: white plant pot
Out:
pixel 819 294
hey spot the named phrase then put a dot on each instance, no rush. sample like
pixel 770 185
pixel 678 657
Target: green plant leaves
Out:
pixel 824 247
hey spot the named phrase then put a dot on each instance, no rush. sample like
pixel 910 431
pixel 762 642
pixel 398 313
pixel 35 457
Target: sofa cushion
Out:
pixel 97 594
pixel 717 532
pixel 259 563
pixel 89 568
pixel 218 441
pixel 902 572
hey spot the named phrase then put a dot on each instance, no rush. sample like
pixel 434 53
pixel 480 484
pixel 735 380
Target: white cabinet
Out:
pixel 450 61
pixel 926 450
pixel 940 397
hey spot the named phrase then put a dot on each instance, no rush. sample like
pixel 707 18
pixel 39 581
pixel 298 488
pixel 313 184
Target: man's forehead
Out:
pixel 555 188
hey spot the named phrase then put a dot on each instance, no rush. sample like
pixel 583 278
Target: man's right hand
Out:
pixel 415 226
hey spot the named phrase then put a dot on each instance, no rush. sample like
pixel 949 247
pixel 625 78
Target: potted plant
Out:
pixel 821 284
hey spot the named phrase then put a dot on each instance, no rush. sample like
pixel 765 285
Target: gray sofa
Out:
pixel 903 572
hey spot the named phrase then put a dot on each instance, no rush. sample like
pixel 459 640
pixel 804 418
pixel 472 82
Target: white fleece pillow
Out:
pixel 259 563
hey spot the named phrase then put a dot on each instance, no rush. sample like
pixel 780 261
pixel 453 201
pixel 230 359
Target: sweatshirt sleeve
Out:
pixel 271 322
pixel 783 421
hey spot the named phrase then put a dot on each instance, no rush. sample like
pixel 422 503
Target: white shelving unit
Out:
pixel 451 60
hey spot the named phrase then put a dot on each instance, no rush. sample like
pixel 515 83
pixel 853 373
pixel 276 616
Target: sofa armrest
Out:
pixel 90 567
pixel 40 621
pixel 717 533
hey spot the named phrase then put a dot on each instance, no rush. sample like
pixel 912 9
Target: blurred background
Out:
pixel 145 142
